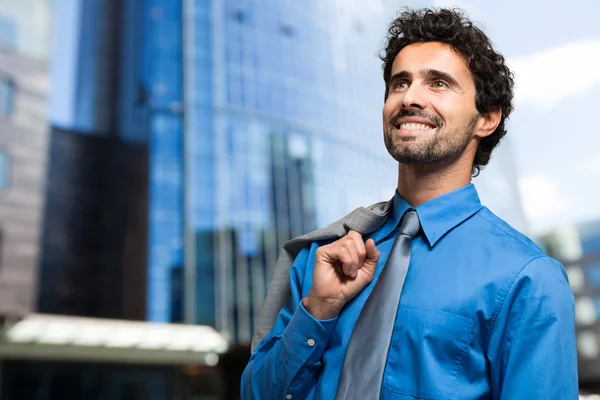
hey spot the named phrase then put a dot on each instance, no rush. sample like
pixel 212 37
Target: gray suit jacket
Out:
pixel 363 220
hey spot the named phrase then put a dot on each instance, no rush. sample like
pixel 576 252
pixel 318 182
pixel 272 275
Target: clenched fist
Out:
pixel 342 269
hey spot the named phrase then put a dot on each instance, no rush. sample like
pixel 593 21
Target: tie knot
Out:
pixel 410 224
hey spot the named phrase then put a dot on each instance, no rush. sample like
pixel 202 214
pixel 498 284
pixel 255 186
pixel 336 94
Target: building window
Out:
pixel 7 92
pixel 4 160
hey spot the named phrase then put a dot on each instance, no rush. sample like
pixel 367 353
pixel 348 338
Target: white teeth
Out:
pixel 414 127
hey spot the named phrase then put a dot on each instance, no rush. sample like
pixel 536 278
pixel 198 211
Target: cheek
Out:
pixel 385 114
pixel 449 111
pixel 389 108
pixel 455 108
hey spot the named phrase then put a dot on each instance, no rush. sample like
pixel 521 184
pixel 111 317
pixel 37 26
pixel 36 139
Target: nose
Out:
pixel 414 97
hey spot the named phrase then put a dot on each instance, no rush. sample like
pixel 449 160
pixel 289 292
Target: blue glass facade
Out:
pixel 162 75
pixel 282 105
pixel 200 162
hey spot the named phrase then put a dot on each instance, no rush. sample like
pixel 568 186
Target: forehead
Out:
pixel 431 55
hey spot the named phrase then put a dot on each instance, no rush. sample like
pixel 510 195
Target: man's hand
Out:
pixel 342 269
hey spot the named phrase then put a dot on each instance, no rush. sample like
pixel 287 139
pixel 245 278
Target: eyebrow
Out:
pixel 429 73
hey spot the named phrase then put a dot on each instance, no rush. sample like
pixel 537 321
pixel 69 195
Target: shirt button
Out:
pixel 311 343
pixel 288 396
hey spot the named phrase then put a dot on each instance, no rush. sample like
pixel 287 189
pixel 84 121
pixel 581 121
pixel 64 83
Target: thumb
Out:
pixel 372 256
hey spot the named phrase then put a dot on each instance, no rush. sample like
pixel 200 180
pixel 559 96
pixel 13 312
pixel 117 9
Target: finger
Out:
pixel 338 257
pixel 353 263
pixel 372 255
pixel 355 236
pixel 359 245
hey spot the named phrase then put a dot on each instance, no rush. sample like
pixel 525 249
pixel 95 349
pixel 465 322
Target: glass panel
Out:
pixel 4 160
pixel 592 275
pixel 7 90
pixel 162 74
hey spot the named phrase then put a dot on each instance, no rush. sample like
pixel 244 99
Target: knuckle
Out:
pixel 349 245
pixel 343 252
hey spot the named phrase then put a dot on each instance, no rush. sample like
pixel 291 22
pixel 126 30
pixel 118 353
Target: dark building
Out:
pixel 94 242
pixel 93 253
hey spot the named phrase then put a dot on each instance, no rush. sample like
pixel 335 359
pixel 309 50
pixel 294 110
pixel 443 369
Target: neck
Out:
pixel 419 183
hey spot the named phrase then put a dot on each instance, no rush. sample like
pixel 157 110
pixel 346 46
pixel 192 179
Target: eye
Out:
pixel 440 84
pixel 400 85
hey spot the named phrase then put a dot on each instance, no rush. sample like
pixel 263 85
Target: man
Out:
pixel 466 307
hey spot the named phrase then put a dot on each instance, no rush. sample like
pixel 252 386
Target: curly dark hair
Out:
pixel 494 82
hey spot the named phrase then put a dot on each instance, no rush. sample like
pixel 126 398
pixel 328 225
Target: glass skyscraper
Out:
pixel 282 135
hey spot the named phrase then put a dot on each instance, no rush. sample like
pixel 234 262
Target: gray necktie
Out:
pixel 366 356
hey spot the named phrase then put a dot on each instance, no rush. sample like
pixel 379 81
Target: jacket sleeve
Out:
pixel 532 345
pixel 288 360
pixel 277 297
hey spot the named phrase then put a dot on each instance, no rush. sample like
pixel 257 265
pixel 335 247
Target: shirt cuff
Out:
pixel 306 338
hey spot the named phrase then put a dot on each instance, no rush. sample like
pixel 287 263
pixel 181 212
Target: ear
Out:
pixel 488 123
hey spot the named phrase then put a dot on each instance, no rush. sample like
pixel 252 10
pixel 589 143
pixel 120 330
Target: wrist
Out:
pixel 321 309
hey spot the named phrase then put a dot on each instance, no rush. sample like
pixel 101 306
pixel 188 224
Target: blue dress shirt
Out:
pixel 484 314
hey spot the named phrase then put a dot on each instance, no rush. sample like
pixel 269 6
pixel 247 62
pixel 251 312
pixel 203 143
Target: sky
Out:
pixel 554 51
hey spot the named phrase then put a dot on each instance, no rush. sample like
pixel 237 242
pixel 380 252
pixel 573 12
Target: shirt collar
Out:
pixel 438 216
pixel 397 211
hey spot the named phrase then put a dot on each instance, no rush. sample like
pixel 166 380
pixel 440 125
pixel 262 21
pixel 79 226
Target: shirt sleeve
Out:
pixel 287 361
pixel 532 346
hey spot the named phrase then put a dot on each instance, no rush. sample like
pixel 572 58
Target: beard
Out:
pixel 444 147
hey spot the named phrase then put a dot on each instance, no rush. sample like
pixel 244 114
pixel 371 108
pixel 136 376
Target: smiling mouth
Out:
pixel 413 127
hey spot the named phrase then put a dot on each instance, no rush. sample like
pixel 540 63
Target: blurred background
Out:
pixel 155 155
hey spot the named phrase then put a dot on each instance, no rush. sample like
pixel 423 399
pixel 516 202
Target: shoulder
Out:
pixel 496 234
pixel 539 297
pixel 543 273
pixel 530 269
pixel 502 253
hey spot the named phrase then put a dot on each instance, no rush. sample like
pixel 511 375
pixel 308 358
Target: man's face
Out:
pixel 429 115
